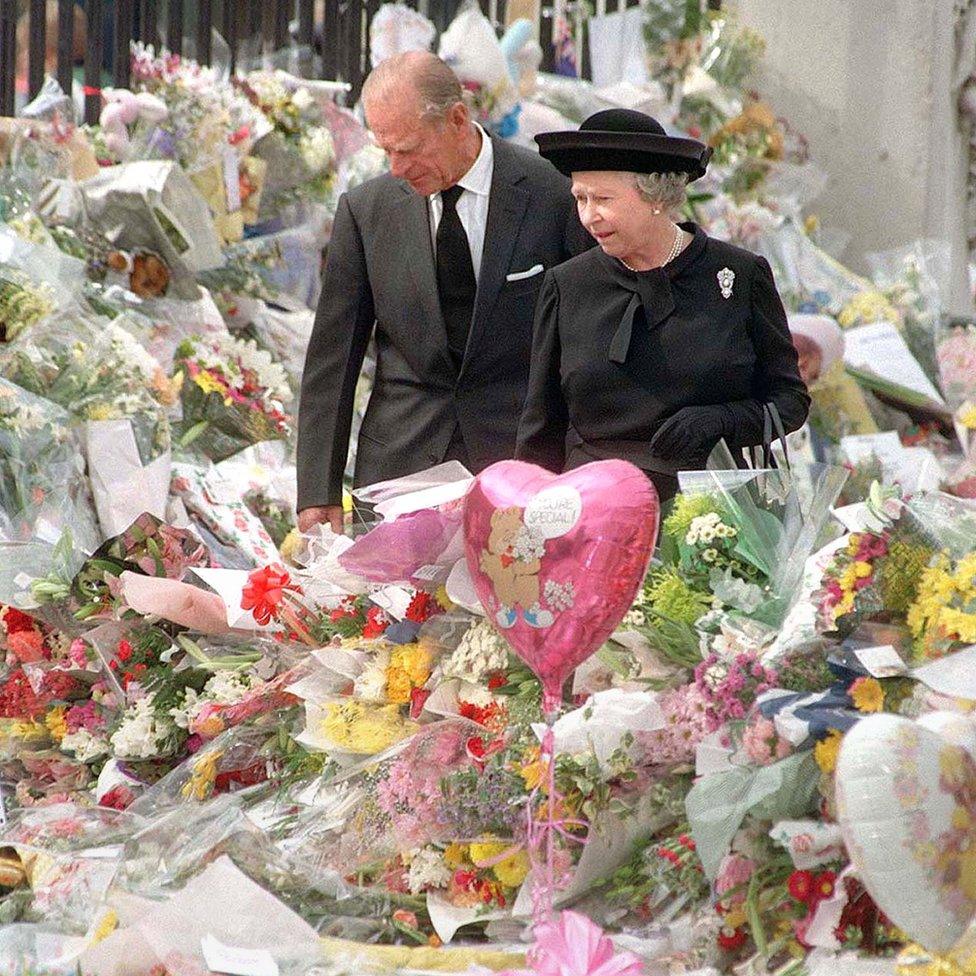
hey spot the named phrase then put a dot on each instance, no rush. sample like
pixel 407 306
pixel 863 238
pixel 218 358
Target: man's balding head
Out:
pixel 419 79
pixel 416 111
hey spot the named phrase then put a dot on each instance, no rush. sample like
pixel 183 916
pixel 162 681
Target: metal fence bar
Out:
pixel 8 55
pixel 331 40
pixel 174 26
pixel 306 37
pixel 124 22
pixel 230 17
pixel 204 27
pixel 66 44
pixel 147 22
pixel 93 61
pixel 283 12
pixel 37 44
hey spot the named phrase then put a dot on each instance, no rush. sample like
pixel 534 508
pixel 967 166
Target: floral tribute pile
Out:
pixel 214 733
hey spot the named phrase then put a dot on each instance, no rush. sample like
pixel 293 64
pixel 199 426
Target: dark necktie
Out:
pixel 456 285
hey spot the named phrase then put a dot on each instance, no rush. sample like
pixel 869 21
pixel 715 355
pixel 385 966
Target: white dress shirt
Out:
pixel 472 204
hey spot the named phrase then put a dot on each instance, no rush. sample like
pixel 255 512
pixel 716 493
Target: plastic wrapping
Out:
pixel 233 395
pixel 216 505
pixel 776 518
pixel 913 280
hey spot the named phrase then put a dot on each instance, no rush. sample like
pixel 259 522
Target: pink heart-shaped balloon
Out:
pixel 557 559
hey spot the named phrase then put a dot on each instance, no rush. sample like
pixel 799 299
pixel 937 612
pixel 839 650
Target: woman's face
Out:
pixel 615 212
pixel 809 356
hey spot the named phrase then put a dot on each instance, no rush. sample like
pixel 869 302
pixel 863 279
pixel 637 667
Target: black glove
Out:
pixel 690 434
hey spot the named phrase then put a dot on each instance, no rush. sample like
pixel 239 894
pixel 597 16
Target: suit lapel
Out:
pixel 420 261
pixel 506 208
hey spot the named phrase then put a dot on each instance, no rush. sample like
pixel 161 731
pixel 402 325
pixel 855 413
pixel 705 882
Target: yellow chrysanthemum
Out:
pixel 484 850
pixel 512 871
pixel 867 695
pixel 455 855
pixel 825 752
pixel 862 569
pixel 358 727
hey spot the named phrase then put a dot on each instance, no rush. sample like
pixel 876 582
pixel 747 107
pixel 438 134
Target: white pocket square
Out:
pixel 522 275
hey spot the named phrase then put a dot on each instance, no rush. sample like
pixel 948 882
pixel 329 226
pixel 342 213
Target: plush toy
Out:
pixel 124 108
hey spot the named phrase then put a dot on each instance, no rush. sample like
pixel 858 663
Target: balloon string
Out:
pixel 543 830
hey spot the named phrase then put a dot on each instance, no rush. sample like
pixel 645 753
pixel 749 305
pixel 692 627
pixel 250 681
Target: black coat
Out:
pixel 379 280
pixel 616 353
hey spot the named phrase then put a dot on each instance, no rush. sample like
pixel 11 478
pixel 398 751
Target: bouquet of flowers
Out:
pixel 233 395
pixel 23 302
pixel 189 117
pixel 299 150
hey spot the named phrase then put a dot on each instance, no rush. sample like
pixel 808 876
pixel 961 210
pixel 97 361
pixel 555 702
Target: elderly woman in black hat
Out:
pixel 662 341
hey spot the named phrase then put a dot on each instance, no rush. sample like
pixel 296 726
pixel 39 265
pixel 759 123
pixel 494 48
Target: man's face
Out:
pixel 810 358
pixel 427 154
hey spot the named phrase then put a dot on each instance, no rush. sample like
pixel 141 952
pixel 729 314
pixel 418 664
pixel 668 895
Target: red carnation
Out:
pixel 422 607
pixel 15 620
pixel 265 591
pixel 376 622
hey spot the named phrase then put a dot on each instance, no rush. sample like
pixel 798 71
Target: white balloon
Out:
pixel 906 810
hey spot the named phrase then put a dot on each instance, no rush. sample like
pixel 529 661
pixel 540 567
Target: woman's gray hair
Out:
pixel 667 189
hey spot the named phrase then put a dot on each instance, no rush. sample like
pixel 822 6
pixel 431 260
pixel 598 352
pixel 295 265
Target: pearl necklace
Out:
pixel 675 249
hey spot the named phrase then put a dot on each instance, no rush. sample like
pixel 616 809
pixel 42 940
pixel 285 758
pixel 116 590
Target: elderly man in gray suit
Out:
pixel 441 259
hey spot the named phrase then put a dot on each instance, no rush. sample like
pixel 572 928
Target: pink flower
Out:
pixel 572 945
pixel 734 873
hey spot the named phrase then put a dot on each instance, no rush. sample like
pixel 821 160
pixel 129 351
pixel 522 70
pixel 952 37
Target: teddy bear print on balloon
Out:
pixel 512 560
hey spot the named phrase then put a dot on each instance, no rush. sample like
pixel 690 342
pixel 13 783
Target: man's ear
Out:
pixel 458 115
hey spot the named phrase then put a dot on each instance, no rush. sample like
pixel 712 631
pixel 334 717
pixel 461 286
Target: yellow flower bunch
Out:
pixel 56 723
pixel 939 616
pixel 200 784
pixel 826 751
pixel 409 668
pixel 867 306
pixel 359 727
pixel 511 870
pixel 209 384
pixel 23 731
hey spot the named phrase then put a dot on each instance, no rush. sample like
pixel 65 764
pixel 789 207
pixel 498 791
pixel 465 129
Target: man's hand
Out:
pixel 332 515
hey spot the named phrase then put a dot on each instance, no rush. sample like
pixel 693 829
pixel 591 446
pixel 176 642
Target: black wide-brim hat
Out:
pixel 622 140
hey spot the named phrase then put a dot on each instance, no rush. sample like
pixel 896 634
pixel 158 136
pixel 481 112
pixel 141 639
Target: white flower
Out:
pixel 370 684
pixel 84 745
pixel 224 688
pixel 634 618
pixel 302 99
pixel 480 652
pixel 142 732
pixel 317 149
pixel 428 870
pixel 477 695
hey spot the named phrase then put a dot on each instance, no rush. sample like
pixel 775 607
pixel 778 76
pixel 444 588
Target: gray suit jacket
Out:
pixel 380 276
